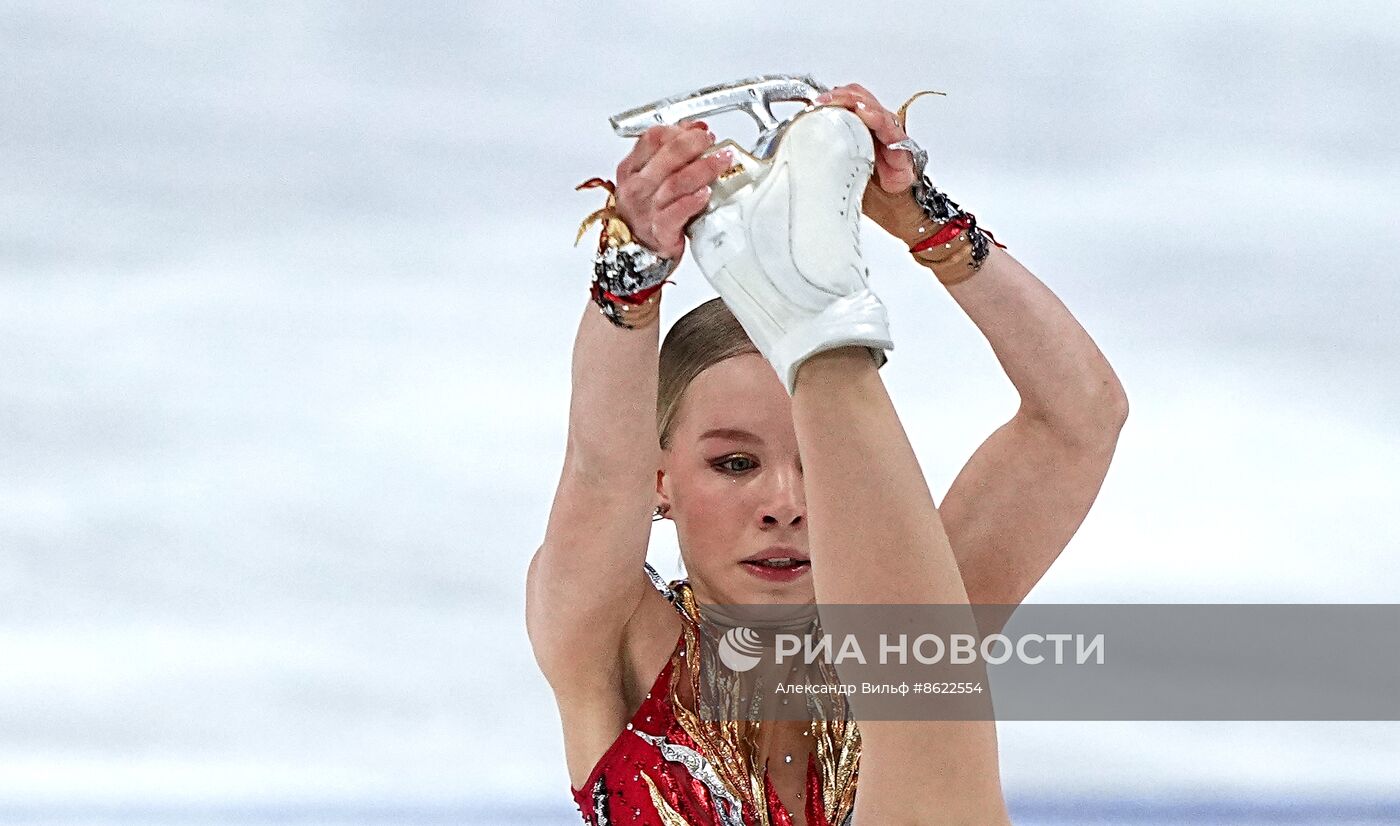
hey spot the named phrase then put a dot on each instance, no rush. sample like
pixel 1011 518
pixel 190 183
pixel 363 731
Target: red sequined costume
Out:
pixel 669 767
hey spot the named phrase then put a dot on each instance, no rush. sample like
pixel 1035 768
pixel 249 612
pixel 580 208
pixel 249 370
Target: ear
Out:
pixel 663 498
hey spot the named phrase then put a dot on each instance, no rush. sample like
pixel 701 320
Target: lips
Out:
pixel 777 552
pixel 778 562
pixel 778 558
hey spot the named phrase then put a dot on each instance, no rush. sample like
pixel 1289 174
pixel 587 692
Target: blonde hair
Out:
pixel 698 340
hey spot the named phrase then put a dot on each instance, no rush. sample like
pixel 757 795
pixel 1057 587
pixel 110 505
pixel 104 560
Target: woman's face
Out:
pixel 732 481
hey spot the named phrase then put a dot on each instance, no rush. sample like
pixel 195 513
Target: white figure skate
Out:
pixel 780 238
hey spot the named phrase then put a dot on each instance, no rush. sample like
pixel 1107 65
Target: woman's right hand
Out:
pixel 664 182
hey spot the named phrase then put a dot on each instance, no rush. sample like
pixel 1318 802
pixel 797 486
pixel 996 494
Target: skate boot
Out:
pixel 780 242
pixel 780 239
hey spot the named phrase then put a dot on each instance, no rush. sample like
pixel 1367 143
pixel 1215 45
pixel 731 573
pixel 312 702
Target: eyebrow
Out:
pixel 734 433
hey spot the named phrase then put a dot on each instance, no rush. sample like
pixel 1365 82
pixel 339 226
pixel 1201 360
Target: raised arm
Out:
pixel 1025 491
pixel 586 579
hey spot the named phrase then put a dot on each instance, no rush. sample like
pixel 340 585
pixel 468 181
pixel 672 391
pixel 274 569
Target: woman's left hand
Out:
pixel 894 168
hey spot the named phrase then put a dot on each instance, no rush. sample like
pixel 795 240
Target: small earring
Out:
pixel 658 514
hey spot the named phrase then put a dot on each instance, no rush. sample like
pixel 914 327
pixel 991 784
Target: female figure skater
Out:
pixel 822 484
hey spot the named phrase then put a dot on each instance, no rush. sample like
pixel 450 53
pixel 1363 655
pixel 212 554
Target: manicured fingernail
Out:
pixel 860 104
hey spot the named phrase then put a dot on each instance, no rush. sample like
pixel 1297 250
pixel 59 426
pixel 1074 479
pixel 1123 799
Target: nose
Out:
pixel 786 503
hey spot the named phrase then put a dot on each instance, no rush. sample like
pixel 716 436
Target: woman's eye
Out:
pixel 728 464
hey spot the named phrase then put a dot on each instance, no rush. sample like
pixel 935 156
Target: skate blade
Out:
pixel 754 96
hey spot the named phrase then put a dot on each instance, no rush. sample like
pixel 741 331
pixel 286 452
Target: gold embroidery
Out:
pixel 730 743
pixel 669 816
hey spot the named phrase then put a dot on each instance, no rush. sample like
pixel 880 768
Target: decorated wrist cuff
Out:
pixel 627 276
pixel 956 228
pixel 941 235
pixel 627 282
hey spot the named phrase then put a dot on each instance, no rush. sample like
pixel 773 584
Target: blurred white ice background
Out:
pixel 286 300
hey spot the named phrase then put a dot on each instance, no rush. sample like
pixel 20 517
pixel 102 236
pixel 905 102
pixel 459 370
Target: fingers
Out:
pixel 670 222
pixel 683 195
pixel 663 182
pixel 642 151
pixel 881 121
pixel 698 173
pixel 890 177
pixel 675 153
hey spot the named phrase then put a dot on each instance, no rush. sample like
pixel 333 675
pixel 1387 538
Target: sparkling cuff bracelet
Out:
pixel 941 235
pixel 626 283
pixel 627 276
